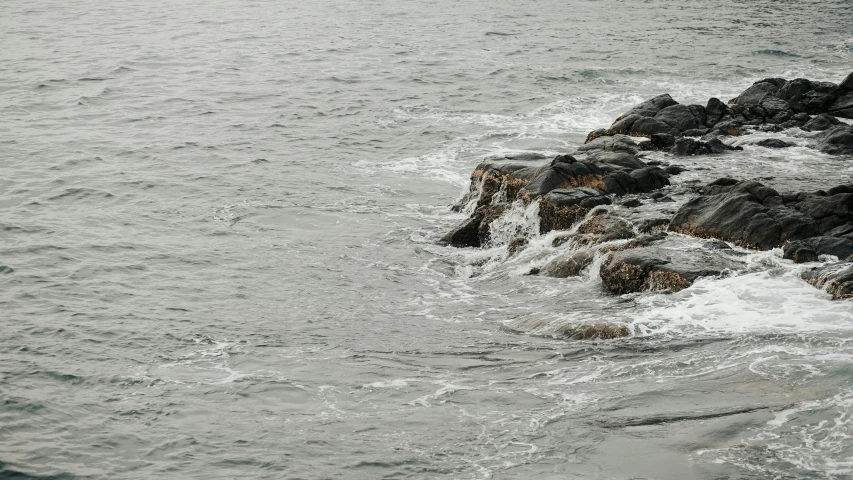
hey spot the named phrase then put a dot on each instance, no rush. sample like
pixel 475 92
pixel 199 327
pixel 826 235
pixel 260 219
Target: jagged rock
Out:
pixel 488 178
pixel 560 209
pixel 836 279
pixel 680 117
pixel 820 97
pixel 564 172
pixel 688 146
pixel 659 142
pixel 474 232
pixel 466 234
pixel 836 140
pixel 842 106
pixel 714 111
pixel 793 91
pixel 642 180
pixel 754 216
pixel 774 143
pixel 776 110
pixel 696 132
pixel 753 95
pixel 821 122
pixel 807 250
pixel 650 107
pixel 664 266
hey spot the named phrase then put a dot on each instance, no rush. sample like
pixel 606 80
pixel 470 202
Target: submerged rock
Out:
pixel 667 265
pixel 597 331
pixel 836 279
pixel 774 143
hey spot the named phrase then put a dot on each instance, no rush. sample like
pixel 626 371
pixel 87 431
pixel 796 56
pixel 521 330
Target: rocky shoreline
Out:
pixel 591 195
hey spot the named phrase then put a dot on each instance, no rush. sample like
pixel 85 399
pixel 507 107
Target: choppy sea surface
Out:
pixel 218 258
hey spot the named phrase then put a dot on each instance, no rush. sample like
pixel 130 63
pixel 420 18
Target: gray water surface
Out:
pixel 218 258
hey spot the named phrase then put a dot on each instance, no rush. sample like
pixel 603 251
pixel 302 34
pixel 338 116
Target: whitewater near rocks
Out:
pixel 221 243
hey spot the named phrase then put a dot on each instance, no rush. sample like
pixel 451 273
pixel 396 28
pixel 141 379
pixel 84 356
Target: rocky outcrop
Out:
pixel 771 104
pixel 754 216
pixel 667 265
pixel 836 279
pixel 810 249
pixel 572 193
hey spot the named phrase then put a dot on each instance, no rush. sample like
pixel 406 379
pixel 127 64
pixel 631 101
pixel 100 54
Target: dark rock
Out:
pixel 842 106
pixel 696 132
pixel 729 127
pixel 754 216
pixel 821 122
pixel 618 159
pixel 632 203
pixel 686 147
pixel 714 111
pixel 845 230
pixel 837 246
pixel 836 140
pixel 562 175
pixel 820 97
pixel 569 264
pixel 488 179
pixel 776 109
pixel 699 114
pixel 663 266
pixel 716 146
pixel 637 181
pixel 847 83
pixel 836 279
pixel 792 92
pixel 774 143
pixel 753 95
pixel 674 169
pixel 604 227
pixel 679 117
pixel 466 234
pixel 560 209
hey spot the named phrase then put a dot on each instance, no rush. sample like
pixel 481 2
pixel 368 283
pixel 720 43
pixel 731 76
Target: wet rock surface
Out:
pixel 752 215
pixel 836 279
pixel 666 265
pixel 579 193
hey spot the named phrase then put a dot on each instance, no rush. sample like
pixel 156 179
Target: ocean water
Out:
pixel 218 258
